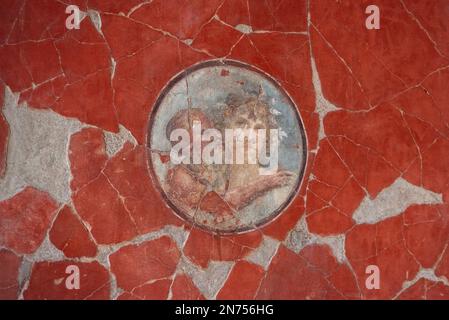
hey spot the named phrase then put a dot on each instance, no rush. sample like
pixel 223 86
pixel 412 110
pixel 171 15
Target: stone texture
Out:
pixel 157 290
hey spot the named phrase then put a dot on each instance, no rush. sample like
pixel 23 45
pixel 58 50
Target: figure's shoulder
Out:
pixel 181 174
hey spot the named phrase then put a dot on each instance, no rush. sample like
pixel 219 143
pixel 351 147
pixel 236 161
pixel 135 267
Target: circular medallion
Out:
pixel 227 146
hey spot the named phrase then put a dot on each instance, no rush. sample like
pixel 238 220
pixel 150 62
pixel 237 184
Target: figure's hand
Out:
pixel 279 179
pixel 243 196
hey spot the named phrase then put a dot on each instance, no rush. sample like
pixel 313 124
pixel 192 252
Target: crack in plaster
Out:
pixel 133 9
pixel 244 28
pixel 392 201
pixel 414 18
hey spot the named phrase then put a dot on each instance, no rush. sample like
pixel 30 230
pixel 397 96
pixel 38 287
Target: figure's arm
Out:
pixel 241 197
pixel 184 188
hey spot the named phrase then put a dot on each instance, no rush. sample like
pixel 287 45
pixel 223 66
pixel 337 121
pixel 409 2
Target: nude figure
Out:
pixel 221 190
pixel 245 182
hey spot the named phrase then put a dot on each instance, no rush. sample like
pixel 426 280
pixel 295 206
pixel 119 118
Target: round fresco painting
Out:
pixel 227 146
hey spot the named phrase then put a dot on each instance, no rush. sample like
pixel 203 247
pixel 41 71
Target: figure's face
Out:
pixel 206 123
pixel 251 115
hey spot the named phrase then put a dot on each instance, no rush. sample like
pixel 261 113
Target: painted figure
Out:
pixel 222 189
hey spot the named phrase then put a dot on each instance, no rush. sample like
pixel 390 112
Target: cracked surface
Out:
pixel 74 182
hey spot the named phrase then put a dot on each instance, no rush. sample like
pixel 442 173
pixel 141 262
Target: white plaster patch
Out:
pixel 428 274
pixel 188 41
pixel 264 253
pixel 96 19
pixel 323 106
pixel 394 200
pixel 24 271
pixel 46 252
pixel 300 237
pixel 37 150
pixel 244 28
pixel 178 234
pixel 115 141
pixel 210 280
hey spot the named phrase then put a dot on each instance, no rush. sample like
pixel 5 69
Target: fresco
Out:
pixel 227 196
pixel 82 197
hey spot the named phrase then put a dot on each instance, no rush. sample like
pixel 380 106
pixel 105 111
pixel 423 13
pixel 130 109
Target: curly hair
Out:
pixel 253 109
pixel 183 119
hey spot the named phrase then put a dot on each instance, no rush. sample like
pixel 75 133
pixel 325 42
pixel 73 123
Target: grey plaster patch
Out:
pixel 428 274
pixel 23 289
pixel 115 141
pixel 115 290
pixel 210 280
pixel 392 201
pixel 83 15
pixel 24 272
pixel 103 252
pixel 323 106
pixel 264 253
pixel 46 252
pixel 244 28
pixel 178 234
pixel 106 250
pixel 39 157
pixel 96 19
pixel 300 237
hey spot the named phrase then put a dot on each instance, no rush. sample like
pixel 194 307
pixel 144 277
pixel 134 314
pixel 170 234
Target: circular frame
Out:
pixel 155 180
